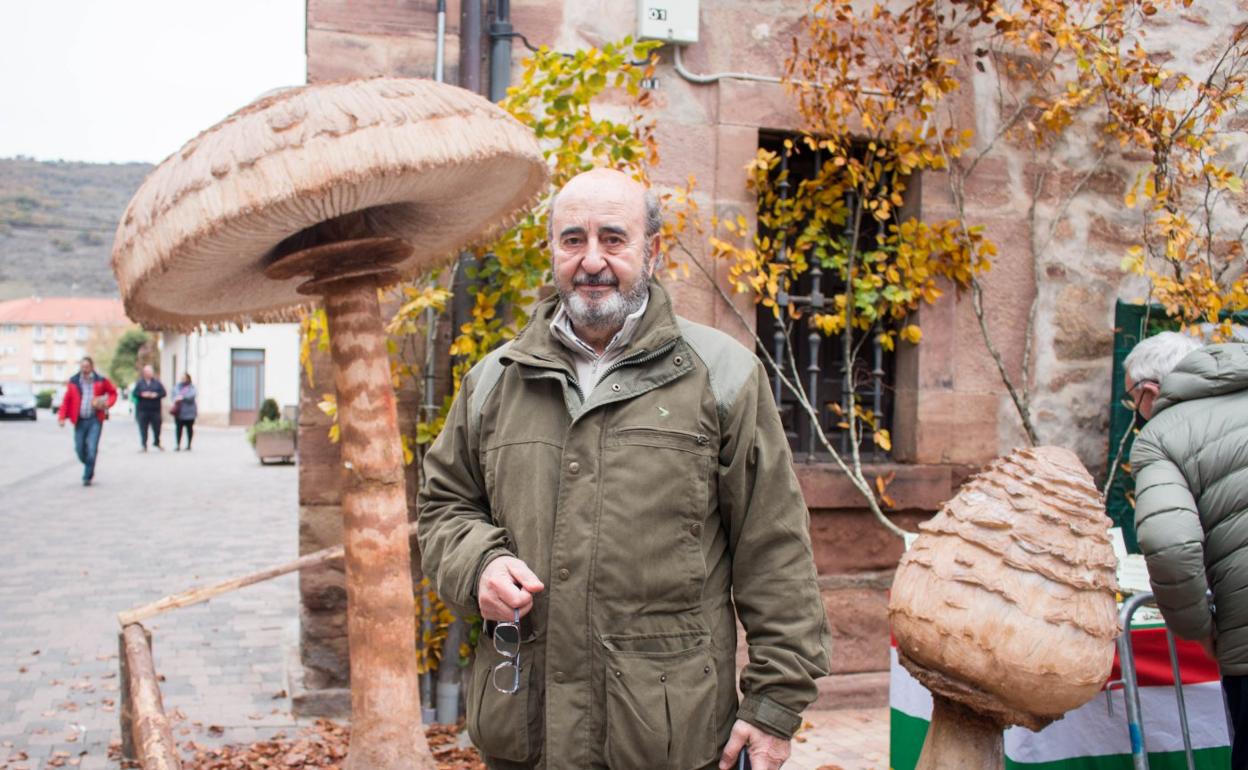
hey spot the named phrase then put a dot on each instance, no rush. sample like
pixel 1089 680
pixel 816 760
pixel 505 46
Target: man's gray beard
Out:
pixel 607 314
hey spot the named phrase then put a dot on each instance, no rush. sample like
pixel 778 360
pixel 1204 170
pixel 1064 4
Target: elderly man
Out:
pixel 608 488
pixel 1191 512
pixel 148 392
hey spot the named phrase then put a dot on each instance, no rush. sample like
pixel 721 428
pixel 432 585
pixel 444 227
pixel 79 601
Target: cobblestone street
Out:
pixel 153 524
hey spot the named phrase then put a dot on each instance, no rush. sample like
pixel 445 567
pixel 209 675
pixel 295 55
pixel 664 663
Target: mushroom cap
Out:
pixel 431 164
pixel 1009 590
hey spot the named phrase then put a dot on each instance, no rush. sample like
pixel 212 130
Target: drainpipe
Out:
pixel 501 33
pixel 428 711
pixel 470 45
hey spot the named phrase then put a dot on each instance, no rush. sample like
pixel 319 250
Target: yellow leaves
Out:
pixel 882 482
pixel 329 405
pixel 430 652
pixel 911 333
pixel 828 324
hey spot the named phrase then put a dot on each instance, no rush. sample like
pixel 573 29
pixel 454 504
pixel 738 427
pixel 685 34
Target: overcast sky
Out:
pixel 132 80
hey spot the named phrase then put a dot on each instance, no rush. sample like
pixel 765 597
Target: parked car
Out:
pixel 17 400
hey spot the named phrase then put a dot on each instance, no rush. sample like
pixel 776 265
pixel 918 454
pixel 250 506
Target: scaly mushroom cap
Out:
pixel 1005 601
pixel 434 165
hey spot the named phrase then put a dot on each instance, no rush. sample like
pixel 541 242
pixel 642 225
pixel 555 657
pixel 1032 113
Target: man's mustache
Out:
pixel 601 279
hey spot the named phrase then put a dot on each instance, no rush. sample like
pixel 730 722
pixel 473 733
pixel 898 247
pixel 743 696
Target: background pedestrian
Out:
pixel 149 392
pixel 184 412
pixel 87 399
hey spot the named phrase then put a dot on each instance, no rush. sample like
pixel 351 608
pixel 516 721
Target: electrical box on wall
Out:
pixel 672 21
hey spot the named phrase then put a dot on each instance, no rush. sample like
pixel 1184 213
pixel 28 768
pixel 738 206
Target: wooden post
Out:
pixel 152 733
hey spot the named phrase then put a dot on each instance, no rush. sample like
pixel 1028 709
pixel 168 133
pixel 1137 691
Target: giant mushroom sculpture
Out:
pixel 1004 605
pixel 333 190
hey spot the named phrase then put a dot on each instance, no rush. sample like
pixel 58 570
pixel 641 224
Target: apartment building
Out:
pixel 43 338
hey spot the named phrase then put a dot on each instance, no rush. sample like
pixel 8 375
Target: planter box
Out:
pixel 276 445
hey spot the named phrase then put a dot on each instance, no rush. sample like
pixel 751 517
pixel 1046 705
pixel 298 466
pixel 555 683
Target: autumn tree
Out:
pixel 878 89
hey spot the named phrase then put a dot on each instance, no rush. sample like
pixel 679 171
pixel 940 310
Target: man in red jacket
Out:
pixel 87 400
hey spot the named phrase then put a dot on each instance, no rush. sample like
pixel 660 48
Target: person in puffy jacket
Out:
pixel 1190 464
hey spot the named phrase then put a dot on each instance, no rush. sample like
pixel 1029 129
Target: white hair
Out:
pixel 1155 357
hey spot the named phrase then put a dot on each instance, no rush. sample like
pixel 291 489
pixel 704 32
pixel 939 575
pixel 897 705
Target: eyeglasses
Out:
pixel 506 675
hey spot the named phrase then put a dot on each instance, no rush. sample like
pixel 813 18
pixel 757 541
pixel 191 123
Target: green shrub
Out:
pixel 268 426
pixel 43 399
pixel 269 411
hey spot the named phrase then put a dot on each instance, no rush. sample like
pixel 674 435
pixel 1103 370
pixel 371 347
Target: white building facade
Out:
pixel 235 371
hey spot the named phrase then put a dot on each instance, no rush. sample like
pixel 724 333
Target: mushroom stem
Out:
pixel 381 628
pixel 961 739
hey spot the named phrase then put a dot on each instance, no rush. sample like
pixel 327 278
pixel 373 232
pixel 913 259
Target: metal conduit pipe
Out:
pixel 693 77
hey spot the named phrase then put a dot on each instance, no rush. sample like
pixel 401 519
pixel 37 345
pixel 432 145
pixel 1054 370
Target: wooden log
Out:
pixel 152 733
pixel 197 595
pixel 126 710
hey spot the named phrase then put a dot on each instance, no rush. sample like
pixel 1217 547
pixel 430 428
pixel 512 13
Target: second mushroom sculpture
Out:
pixel 1004 606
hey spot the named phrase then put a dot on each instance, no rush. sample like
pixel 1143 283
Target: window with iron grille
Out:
pixel 819 359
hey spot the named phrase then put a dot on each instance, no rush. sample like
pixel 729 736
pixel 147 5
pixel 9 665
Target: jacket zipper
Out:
pixel 701 439
pixel 640 357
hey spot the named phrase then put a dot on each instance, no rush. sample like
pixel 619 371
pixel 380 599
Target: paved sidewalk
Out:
pixel 153 524
pixel 847 739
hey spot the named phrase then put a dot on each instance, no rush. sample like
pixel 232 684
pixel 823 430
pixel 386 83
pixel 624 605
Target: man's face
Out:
pixel 599 249
pixel 148 372
pixel 86 367
pixel 1144 395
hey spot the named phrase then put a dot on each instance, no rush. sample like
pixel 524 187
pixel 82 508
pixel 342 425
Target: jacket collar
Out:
pixel 537 346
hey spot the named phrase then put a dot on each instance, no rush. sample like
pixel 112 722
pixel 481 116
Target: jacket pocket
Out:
pixel 666 438
pixel 661 702
pixel 498 723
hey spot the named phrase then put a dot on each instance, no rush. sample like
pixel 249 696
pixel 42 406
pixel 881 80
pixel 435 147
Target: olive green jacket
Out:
pixel 1191 513
pixel 648 510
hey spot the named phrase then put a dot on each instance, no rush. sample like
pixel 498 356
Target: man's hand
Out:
pixel 767 752
pixel 60 421
pixel 507 584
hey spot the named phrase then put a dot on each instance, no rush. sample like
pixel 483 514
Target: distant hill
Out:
pixel 57 221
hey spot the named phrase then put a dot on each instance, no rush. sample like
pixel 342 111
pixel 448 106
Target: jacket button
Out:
pixel 574 467
pixel 615 386
pixel 619 674
pixel 564 574
pixel 695 529
pixel 662 677
pixel 678 360
pixel 706 670
pixel 558 676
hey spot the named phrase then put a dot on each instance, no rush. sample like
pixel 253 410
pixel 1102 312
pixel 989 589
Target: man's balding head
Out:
pixel 653 213
pixel 603 234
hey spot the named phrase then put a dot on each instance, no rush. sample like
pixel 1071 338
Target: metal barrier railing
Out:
pixel 1131 688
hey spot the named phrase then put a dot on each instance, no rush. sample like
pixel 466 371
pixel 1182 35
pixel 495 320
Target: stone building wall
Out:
pixel 951 411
